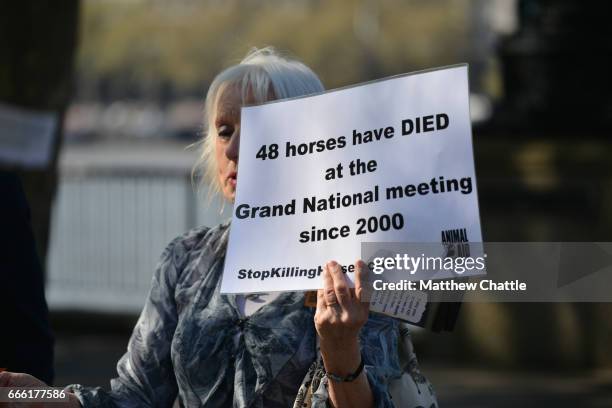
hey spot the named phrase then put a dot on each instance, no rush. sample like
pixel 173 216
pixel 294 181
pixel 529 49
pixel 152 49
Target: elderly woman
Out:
pixel 201 348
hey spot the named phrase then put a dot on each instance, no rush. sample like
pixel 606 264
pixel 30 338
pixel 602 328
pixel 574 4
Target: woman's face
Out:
pixel 226 131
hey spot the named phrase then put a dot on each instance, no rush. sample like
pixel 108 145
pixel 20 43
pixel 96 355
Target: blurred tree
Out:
pixel 135 47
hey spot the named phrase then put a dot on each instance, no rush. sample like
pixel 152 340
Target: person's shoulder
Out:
pixel 201 236
pixel 189 257
pixel 195 241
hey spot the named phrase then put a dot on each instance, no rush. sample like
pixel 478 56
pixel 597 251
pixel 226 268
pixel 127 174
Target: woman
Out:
pixel 206 349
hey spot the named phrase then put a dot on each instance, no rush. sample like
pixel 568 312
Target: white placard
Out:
pixel 26 136
pixel 299 200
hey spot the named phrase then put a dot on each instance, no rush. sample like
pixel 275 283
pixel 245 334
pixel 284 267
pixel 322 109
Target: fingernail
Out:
pixel 332 263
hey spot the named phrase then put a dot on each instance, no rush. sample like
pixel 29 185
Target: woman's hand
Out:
pixel 341 310
pixel 18 380
pixel 341 313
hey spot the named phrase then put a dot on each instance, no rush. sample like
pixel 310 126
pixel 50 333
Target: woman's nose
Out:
pixel 234 146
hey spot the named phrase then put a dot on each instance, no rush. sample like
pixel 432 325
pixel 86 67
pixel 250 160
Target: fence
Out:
pixel 109 227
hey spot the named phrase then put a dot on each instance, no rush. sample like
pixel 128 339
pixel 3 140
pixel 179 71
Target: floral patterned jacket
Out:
pixel 192 346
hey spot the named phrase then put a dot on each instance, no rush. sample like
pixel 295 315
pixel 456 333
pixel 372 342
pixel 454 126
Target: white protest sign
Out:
pixel 386 161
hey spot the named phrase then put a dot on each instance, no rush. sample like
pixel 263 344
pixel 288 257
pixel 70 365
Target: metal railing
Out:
pixel 109 228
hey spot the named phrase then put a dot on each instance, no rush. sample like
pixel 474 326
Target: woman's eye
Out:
pixel 225 131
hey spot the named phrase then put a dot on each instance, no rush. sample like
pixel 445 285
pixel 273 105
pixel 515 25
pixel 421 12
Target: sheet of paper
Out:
pixel 26 136
pixel 406 305
pixel 385 161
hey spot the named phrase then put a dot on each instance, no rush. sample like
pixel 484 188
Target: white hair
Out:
pixel 261 74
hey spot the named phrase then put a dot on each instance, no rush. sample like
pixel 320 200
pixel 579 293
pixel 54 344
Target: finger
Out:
pixel 328 287
pixel 321 305
pixel 361 275
pixel 341 284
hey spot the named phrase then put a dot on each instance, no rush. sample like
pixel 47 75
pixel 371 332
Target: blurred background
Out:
pixel 125 80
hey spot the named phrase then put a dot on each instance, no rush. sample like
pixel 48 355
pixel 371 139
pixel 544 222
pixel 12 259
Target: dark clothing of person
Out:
pixel 26 341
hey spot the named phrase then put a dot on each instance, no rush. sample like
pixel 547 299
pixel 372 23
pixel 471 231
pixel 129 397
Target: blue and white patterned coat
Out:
pixel 192 345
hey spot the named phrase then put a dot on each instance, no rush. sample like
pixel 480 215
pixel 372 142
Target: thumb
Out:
pixel 363 291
